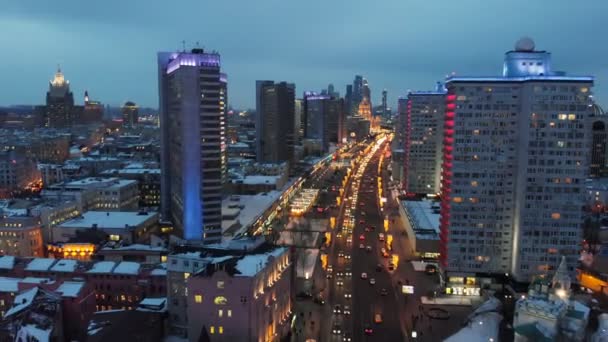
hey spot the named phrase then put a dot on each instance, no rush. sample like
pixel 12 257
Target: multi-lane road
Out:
pixel 364 296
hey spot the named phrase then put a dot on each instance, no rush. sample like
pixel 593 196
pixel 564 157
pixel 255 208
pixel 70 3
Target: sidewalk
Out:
pixel 451 300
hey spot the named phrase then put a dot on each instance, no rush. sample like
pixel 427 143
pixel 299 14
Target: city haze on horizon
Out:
pixel 110 48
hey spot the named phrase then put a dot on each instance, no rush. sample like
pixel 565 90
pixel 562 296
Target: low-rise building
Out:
pixel 421 222
pixel 144 254
pixel 148 180
pixel 129 227
pixel 21 236
pixel 107 194
pixel 242 298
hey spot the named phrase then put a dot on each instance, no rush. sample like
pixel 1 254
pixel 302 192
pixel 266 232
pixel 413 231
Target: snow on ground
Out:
pixel 451 300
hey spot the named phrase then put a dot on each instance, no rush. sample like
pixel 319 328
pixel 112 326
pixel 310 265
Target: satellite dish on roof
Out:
pixel 525 44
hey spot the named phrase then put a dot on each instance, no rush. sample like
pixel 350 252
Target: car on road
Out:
pixel 384 252
pixel 384 292
pixel 339 283
pixel 368 330
pixel 347 272
pixel 362 237
pixel 338 309
pixel 430 269
pixel 346 310
pixel 347 256
pixel 378 318
pixel 347 337
pixel 340 254
pixel 368 249
pixel 363 275
pixel 329 276
pixel 339 274
pixel 361 246
pixel 379 268
pixel 348 295
pixel 361 221
pixel 381 236
pixel 372 281
pixel 337 329
pixel 363 213
pixel 349 239
pixel 391 266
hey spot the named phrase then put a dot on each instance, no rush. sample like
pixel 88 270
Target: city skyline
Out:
pixel 101 45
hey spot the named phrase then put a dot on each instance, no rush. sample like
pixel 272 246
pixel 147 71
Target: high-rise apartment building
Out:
pixel 384 102
pixel 59 110
pixel 190 89
pixel 357 94
pixel 516 155
pixel 599 151
pixel 423 140
pixel 223 125
pixel 130 114
pixel 275 105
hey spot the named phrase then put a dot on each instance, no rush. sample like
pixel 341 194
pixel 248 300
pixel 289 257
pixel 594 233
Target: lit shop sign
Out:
pixel 407 289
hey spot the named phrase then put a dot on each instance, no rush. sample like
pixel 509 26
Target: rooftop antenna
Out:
pixel 183 45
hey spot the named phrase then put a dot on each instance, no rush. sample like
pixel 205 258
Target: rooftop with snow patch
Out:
pixel 40 264
pixel 65 265
pixel 102 267
pixel 70 288
pixel 108 220
pixel 127 267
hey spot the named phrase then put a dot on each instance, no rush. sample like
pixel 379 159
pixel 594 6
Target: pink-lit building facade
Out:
pixel 246 298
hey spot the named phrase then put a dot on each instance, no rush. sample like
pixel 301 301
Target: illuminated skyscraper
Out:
pixel 190 89
pixel 59 111
pixel 515 159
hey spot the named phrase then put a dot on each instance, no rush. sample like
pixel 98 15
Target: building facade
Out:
pixel 275 127
pixel 190 87
pixel 130 114
pixel 242 298
pixel 599 152
pixel 424 136
pixel 514 164
pixel 21 237
pixel 59 111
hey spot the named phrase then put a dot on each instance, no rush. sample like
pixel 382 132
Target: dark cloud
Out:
pixel 109 46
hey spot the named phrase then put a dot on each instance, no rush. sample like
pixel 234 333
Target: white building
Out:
pixel 128 227
pixel 548 313
pixel 95 193
pixel 516 156
pixel 423 140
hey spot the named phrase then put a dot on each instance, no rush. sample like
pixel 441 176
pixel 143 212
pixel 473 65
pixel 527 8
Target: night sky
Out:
pixel 109 47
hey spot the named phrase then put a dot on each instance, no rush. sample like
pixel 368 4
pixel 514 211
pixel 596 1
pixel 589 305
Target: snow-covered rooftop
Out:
pixel 483 324
pixel 7 262
pixel 159 272
pixel 102 267
pixel 65 265
pixel 29 331
pixel 251 264
pixel 9 284
pixel 423 218
pixel 70 288
pixel 153 304
pixel 40 264
pixel 136 247
pixel 22 301
pixel 127 267
pixel 259 179
pixel 108 220
pixel 252 206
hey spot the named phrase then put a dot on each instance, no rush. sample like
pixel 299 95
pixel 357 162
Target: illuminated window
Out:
pixel 562 116
pixel 212 329
pixel 186 275
pixel 163 258
pixel 474 183
pixel 220 313
pixel 556 216
pixel 198 298
pixel 114 237
pixel 229 313
pixel 476 132
pixel 561 144
pixel 584 89
pixel 552 250
pixel 474 200
pixel 220 300
pixel 122 298
pixel 220 284
pixel 221 330
pixel 571 116
pixel 457 199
